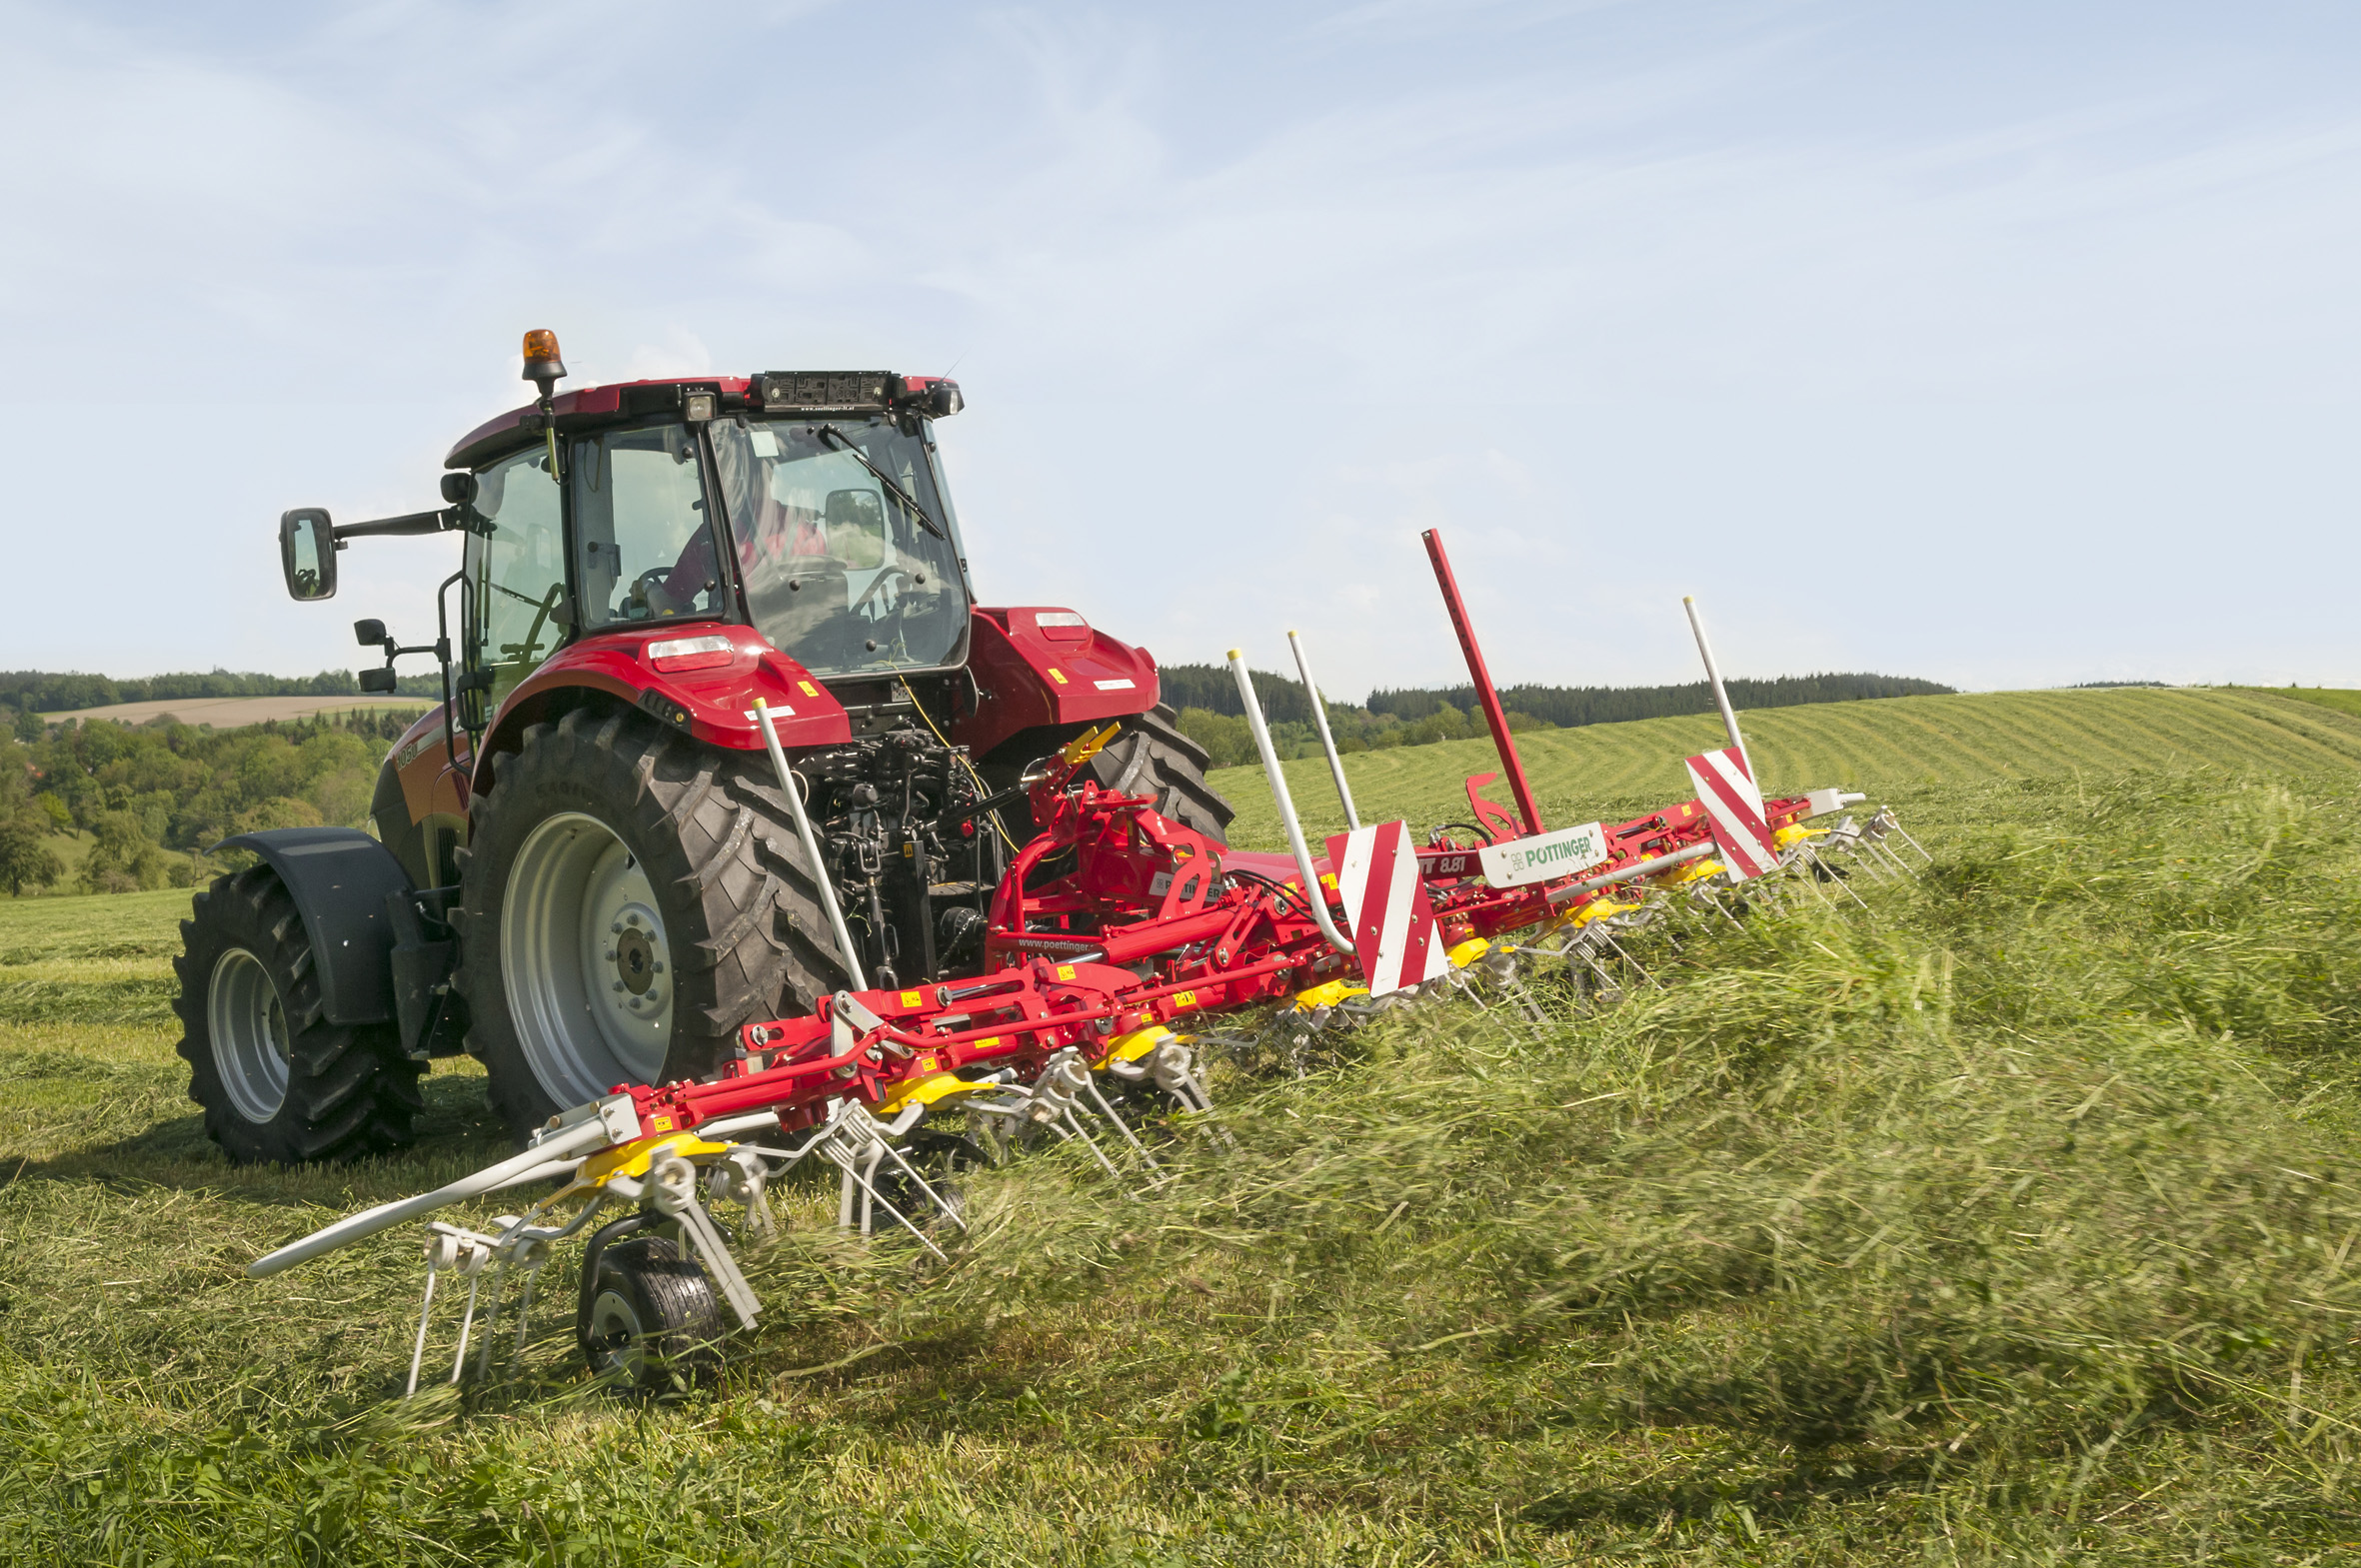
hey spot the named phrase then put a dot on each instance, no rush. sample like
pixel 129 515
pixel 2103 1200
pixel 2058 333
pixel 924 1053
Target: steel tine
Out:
pixel 424 1307
pixel 1839 881
pixel 1861 853
pixel 878 1201
pixel 1130 1137
pixel 1092 1143
pixel 1636 967
pixel 933 1197
pixel 1879 857
pixel 525 1307
pixel 698 1225
pixel 1895 825
pixel 467 1319
pixel 491 1322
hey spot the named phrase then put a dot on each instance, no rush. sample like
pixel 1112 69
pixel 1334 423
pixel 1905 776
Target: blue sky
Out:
pixel 2006 344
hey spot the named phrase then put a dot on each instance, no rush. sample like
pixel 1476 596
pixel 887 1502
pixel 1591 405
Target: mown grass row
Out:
pixel 2013 1221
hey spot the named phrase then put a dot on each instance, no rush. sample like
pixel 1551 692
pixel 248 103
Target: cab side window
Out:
pixel 516 567
pixel 640 522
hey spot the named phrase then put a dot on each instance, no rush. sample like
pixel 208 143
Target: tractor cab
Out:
pixel 825 526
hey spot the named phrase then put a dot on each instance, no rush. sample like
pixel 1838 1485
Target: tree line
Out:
pixel 152 799
pixel 1569 706
pixel 1212 713
pixel 56 692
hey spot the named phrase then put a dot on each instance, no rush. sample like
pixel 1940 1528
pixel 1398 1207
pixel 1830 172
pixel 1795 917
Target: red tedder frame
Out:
pixel 1118 923
pixel 1492 712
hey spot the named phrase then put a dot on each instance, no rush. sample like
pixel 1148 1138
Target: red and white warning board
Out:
pixel 1734 807
pixel 1386 909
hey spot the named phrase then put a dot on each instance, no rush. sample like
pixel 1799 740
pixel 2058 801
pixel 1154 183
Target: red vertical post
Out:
pixel 1493 714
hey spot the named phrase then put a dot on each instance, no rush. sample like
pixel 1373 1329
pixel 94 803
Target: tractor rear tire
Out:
pixel 1152 757
pixel 278 1081
pixel 627 899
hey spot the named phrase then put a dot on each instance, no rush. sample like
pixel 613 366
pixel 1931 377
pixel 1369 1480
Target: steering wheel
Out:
pixel 654 576
pixel 878 583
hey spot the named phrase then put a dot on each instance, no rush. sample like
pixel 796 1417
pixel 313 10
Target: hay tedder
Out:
pixel 742 841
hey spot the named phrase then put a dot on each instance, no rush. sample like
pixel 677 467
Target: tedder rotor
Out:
pixel 743 839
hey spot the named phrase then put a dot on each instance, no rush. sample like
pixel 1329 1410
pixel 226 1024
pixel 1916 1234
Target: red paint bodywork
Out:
pixel 1035 676
pixel 607 398
pixel 714 704
pixel 422 760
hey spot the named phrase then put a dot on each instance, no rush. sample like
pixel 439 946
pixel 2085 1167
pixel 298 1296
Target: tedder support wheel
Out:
pixel 1152 757
pixel 629 898
pixel 277 1080
pixel 647 1321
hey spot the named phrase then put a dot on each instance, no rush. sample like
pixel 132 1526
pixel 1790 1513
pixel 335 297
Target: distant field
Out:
pixel 1883 748
pixel 2342 702
pixel 227 712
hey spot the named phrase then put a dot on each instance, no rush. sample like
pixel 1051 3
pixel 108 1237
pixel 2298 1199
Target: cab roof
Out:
pixel 771 391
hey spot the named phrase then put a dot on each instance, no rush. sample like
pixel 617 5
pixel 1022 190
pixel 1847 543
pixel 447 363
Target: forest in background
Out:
pixel 35 691
pixel 107 807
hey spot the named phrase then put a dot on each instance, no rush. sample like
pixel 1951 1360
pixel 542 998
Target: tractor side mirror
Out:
pixel 378 682
pixel 369 634
pixel 307 553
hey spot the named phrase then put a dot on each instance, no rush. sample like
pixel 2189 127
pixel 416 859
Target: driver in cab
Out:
pixel 794 524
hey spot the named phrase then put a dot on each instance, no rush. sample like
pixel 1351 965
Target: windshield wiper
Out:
pixel 831 433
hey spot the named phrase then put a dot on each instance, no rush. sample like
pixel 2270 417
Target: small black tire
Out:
pixel 1152 757
pixel 649 1321
pixel 277 1082
pixel 702 860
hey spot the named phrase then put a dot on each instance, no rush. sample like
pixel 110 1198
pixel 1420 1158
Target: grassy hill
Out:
pixel 2009 1220
pixel 1891 747
pixel 2342 702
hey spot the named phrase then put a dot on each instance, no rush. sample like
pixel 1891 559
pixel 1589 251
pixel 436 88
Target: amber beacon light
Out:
pixel 544 365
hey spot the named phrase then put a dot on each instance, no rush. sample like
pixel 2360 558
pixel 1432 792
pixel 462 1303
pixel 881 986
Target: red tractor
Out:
pixel 585 872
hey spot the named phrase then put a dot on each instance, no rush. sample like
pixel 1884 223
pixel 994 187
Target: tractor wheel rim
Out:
pixel 617 1336
pixel 248 1024
pixel 585 961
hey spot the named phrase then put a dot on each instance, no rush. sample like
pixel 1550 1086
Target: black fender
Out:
pixel 340 880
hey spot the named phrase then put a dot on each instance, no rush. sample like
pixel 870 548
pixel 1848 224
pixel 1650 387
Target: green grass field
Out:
pixel 2011 1220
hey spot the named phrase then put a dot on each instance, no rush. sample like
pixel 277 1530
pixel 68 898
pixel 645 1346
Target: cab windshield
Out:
pixel 837 571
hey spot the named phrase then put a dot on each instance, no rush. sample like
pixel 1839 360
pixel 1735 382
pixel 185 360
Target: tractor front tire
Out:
pixel 278 1081
pixel 629 898
pixel 1152 757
